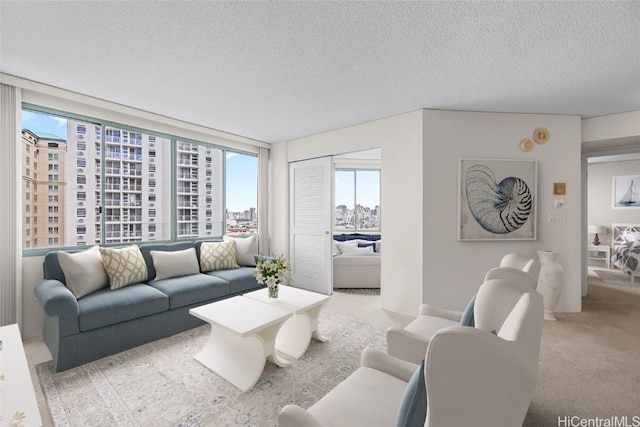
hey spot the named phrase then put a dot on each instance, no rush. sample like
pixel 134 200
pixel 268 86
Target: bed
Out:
pixel 625 247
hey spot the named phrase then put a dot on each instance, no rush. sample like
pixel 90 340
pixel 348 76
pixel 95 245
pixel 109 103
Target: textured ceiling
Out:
pixel 276 71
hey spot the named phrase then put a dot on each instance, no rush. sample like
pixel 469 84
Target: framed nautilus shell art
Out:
pixel 497 199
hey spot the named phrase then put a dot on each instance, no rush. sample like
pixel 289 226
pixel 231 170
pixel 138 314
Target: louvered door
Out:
pixel 310 224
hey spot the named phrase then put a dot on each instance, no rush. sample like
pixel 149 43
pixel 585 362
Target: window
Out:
pixel 130 195
pixel 357 199
pixel 242 192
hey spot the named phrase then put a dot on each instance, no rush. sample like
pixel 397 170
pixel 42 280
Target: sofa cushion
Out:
pixel 239 279
pixel 217 256
pixel 124 266
pixel 187 290
pixel 107 307
pixel 413 407
pixel 246 247
pixel 168 264
pixel 83 271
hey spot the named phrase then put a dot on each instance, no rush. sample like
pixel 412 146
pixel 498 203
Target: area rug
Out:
pixel 160 384
pixel 618 278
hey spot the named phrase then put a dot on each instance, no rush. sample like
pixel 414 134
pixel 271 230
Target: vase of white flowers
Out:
pixel 272 271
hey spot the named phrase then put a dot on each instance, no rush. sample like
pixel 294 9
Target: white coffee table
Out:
pixel 295 335
pixel 243 333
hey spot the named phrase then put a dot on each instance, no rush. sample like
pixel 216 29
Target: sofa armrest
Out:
pixel 295 416
pixel 406 345
pixel 56 299
pixel 430 310
pixel 381 361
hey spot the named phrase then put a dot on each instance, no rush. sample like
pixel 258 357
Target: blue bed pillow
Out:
pixel 366 245
pixel 413 406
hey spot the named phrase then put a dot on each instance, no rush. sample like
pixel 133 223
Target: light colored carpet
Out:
pixel 161 384
pixel 618 278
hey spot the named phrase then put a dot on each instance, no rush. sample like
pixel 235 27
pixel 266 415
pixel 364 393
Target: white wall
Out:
pixel 422 260
pixel 599 199
pixel 455 269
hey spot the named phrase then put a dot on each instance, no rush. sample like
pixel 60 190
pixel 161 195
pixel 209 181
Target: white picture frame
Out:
pixel 625 192
pixel 497 199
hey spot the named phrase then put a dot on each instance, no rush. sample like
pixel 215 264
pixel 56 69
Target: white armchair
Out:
pixel 410 343
pixel 481 376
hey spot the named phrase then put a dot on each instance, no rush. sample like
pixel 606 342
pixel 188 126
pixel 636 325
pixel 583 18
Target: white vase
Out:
pixel 550 281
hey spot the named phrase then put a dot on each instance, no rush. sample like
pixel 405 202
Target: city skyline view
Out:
pixel 242 171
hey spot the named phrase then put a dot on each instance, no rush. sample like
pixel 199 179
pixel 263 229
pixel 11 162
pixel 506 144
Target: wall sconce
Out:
pixel 595 229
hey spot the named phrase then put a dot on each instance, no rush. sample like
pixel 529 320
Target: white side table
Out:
pixel 18 404
pixel 600 253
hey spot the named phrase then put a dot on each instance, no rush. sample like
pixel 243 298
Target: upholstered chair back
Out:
pixel 521 262
pixel 512 310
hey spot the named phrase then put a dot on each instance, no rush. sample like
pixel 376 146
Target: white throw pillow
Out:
pixel 218 256
pixel 378 246
pixel 246 247
pixel 83 271
pixel 124 266
pixel 358 250
pixel 175 264
pixel 347 246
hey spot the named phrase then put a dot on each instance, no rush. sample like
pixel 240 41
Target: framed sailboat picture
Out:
pixel 626 192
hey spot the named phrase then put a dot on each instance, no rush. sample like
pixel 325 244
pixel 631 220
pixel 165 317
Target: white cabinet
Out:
pixel 18 405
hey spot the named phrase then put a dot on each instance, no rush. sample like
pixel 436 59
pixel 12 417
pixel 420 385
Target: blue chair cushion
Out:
pixel 467 315
pixel 413 406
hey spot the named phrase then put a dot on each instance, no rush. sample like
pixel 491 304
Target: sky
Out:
pixel 367 188
pixel 242 170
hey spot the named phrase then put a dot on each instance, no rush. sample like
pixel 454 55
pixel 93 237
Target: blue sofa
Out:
pixel 105 322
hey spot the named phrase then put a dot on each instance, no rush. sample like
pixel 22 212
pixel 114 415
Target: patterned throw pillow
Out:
pixel 124 266
pixel 218 256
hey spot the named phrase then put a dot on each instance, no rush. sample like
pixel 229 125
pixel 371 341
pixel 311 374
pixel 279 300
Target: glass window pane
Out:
pixel 344 200
pixel 241 193
pixel 44 149
pixel 128 187
pixel 368 200
pixel 199 204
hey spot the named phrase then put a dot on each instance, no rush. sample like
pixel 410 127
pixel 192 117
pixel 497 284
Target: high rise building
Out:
pixel 43 189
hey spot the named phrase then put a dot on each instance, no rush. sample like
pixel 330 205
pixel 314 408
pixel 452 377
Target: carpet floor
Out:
pixel 618 278
pixel 160 384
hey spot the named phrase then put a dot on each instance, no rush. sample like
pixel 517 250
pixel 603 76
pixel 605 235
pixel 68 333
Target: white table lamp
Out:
pixel 595 229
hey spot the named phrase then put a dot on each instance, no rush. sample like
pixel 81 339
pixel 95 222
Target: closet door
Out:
pixel 310 216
